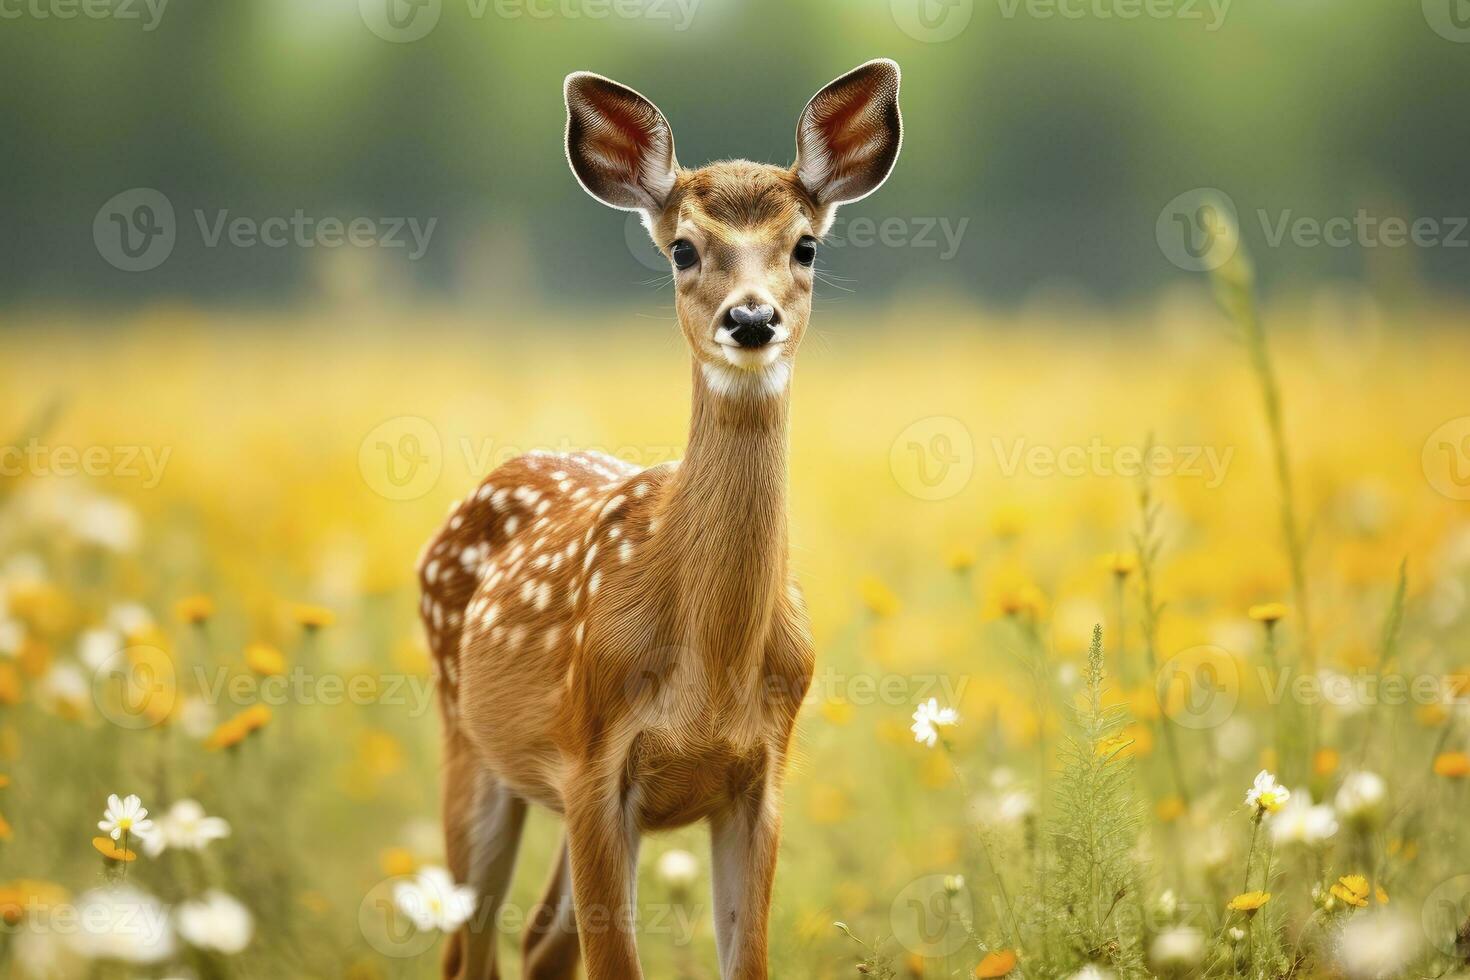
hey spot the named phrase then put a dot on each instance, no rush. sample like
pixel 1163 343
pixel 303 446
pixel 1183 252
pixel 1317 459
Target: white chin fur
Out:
pixel 751 360
pixel 766 378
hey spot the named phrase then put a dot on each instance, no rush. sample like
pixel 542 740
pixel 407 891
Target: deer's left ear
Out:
pixel 849 134
pixel 618 143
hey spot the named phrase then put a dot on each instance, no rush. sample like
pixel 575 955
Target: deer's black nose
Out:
pixel 750 326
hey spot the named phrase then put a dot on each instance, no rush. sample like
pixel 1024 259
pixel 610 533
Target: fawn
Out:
pixel 626 647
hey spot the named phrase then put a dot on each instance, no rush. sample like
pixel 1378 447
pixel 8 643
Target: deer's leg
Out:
pixel 744 838
pixel 602 842
pixel 482 830
pixel 550 950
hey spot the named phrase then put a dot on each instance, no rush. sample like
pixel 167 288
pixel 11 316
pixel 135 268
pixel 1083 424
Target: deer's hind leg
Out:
pixel 483 821
pixel 550 948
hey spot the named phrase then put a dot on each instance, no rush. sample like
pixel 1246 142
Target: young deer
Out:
pixel 623 646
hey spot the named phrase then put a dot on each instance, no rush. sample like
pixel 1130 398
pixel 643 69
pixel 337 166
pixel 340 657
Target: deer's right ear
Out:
pixel 618 143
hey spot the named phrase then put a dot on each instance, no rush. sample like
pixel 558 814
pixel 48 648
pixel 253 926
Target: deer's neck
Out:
pixel 725 519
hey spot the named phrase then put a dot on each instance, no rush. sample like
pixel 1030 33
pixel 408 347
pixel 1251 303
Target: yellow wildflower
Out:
pixel 1351 890
pixel 110 850
pixel 313 617
pixel 397 861
pixel 1267 612
pixel 879 598
pixel 1452 765
pixel 1248 902
pixel 195 610
pixel 1120 563
pixel 997 964
pixel 265 660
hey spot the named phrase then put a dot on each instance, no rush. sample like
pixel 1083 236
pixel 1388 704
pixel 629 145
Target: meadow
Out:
pixel 207 594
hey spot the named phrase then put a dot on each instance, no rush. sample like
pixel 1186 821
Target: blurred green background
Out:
pixel 1048 138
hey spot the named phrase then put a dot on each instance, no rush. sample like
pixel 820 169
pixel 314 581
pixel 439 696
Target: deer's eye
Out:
pixel 684 254
pixel 805 252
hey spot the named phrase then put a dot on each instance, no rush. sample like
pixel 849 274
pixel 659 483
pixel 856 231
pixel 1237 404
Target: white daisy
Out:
pixel 216 922
pixel 12 636
pixel 185 827
pixel 1303 822
pixel 1376 945
pixel 929 718
pixel 95 647
pixel 122 923
pixel 677 868
pixel 1266 795
pixel 1179 946
pixel 1360 798
pixel 125 816
pixel 432 900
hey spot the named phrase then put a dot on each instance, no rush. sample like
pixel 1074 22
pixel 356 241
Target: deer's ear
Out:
pixel 618 143
pixel 849 134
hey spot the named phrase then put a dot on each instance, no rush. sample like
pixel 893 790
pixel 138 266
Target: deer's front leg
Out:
pixel 744 838
pixel 603 844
